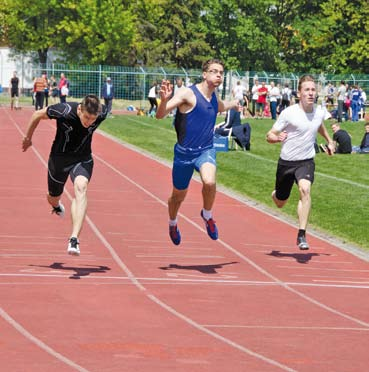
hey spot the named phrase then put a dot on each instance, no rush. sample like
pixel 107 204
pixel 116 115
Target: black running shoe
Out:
pixel 59 210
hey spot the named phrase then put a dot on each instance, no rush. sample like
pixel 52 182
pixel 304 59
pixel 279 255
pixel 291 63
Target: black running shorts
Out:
pixel 289 172
pixel 60 167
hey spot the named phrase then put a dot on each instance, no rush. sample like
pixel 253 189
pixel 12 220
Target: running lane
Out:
pixel 134 302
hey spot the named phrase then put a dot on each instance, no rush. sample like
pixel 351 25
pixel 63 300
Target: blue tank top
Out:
pixel 195 129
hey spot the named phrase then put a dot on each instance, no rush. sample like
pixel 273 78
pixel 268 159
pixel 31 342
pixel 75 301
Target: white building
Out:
pixel 8 65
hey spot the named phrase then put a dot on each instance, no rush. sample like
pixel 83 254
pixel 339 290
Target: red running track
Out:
pixel 134 302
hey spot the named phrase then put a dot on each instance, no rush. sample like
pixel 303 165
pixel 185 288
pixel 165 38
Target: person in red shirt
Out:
pixel 261 102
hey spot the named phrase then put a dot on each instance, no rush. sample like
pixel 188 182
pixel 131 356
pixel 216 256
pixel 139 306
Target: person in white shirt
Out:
pixel 274 93
pixel 152 98
pixel 255 96
pixel 237 93
pixel 296 128
pixel 341 94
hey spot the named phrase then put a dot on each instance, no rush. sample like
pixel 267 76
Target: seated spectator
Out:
pixel 364 146
pixel 232 119
pixel 241 133
pixel 341 139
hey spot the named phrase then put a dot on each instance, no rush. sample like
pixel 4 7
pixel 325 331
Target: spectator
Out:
pixel 273 98
pixel 254 97
pixel 355 103
pixel 40 84
pixel 342 139
pixel 63 82
pixel 341 94
pixel 53 89
pixel 364 145
pixel 261 101
pixel 362 103
pixel 47 91
pixel 64 92
pixel 286 97
pixel 237 93
pixel 14 91
pixel 108 94
pixel 152 98
pixel 329 99
pixel 232 119
pixel 246 105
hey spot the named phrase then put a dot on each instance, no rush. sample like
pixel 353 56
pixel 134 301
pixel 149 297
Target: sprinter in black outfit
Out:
pixel 70 155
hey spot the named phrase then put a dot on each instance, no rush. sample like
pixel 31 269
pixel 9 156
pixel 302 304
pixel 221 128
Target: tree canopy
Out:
pixel 250 35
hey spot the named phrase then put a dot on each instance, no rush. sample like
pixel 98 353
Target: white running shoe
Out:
pixel 302 243
pixel 59 210
pixel 73 246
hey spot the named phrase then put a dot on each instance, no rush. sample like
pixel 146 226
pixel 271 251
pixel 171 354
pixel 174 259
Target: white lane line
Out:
pixel 188 279
pixel 287 327
pixel 39 343
pixel 218 336
pixel 324 269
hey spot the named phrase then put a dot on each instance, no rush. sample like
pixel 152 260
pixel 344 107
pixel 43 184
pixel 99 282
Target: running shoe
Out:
pixel 73 246
pixel 59 210
pixel 211 227
pixel 302 243
pixel 174 234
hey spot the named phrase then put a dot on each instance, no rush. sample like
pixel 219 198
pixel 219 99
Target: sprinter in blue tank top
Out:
pixel 197 109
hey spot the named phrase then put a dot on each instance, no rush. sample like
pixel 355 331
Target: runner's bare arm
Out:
pixel 36 117
pixel 227 105
pixel 168 103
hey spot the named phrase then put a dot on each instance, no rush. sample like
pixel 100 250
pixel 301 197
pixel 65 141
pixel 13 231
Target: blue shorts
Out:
pixel 185 162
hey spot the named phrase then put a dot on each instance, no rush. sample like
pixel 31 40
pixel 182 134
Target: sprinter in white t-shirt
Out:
pixel 297 128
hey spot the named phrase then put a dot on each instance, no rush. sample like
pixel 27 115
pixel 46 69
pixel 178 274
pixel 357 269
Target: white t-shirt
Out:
pixel 152 92
pixel 238 92
pixel 302 129
pixel 254 91
pixel 274 93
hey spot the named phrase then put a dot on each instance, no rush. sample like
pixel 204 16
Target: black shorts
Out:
pixel 14 93
pixel 60 167
pixel 289 172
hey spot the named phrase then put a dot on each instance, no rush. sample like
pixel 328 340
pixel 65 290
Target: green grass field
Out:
pixel 339 193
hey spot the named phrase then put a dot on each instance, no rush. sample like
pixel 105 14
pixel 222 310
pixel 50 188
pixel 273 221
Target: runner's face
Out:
pixel 86 119
pixel 214 74
pixel 307 93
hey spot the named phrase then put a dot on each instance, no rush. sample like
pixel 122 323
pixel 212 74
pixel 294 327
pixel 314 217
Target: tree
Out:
pixel 31 27
pixel 242 33
pixel 176 37
pixel 97 32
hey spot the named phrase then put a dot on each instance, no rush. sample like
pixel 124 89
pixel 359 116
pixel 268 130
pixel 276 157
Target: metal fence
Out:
pixel 133 83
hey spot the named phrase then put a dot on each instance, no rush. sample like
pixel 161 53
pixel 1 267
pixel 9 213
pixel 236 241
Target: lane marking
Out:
pixel 287 327
pixel 223 279
pixel 39 343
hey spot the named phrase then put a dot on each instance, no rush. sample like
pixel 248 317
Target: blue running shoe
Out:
pixel 174 234
pixel 211 227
